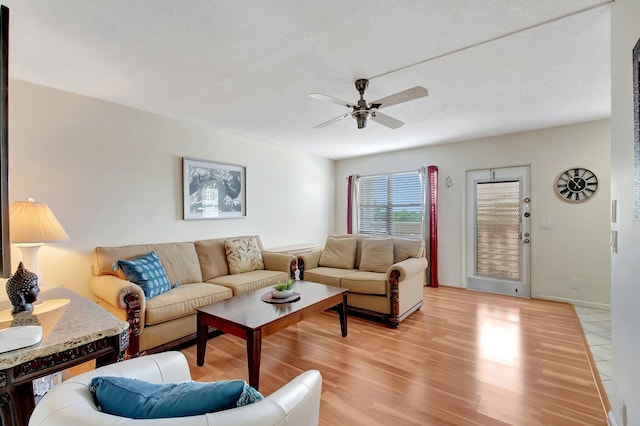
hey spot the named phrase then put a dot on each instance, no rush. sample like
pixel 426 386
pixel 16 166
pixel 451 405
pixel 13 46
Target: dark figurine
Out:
pixel 22 288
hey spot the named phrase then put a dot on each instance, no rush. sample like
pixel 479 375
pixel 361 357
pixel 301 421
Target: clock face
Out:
pixel 576 185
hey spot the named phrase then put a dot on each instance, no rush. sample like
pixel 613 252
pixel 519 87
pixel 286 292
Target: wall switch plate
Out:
pixel 545 224
pixel 575 283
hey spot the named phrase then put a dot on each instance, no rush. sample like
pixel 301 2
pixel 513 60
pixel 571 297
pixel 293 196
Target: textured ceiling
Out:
pixel 246 67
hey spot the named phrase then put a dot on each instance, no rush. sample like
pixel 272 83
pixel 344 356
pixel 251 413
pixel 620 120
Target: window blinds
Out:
pixel 391 204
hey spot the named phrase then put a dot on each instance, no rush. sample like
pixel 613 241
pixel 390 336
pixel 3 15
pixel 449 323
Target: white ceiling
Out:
pixel 246 67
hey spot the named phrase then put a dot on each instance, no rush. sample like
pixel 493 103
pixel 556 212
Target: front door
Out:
pixel 498 230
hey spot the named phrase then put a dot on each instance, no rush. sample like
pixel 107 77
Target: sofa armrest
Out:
pixel 308 260
pixel 295 403
pixel 274 261
pixel 113 290
pixel 407 268
pixel 126 301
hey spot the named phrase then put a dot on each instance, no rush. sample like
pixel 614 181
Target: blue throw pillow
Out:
pixel 146 271
pixel 136 399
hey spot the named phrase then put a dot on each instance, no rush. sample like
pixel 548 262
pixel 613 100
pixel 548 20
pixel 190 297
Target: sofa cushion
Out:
pixel 243 255
pixel 147 272
pixel 328 276
pixel 339 252
pixel 182 301
pixel 213 258
pixel 404 248
pixel 250 281
pixel 137 399
pixel 180 260
pixel 365 283
pixel 377 254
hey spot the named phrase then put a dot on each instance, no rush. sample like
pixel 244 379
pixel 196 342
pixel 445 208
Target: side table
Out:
pixel 74 330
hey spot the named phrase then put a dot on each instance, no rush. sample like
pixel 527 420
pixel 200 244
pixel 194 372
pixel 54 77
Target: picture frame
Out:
pixel 636 127
pixel 213 190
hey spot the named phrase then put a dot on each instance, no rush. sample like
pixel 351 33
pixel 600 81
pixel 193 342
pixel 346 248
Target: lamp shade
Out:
pixel 32 222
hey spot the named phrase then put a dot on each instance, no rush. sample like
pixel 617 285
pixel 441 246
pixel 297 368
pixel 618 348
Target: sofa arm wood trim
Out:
pixel 394 299
pixel 133 317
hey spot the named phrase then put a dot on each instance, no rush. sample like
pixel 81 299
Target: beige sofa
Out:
pixel 384 276
pixel 199 273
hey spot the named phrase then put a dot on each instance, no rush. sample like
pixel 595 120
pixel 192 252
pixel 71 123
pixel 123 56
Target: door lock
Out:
pixel 526 241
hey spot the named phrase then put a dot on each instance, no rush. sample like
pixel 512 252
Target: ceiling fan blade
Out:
pixel 333 120
pixel 404 96
pixel 385 120
pixel 322 97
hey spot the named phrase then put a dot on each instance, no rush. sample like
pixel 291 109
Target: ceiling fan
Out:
pixel 362 111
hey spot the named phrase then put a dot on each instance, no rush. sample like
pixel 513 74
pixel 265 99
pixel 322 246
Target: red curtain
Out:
pixel 432 179
pixel 350 180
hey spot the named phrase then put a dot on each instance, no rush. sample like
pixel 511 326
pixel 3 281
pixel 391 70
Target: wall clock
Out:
pixel 576 185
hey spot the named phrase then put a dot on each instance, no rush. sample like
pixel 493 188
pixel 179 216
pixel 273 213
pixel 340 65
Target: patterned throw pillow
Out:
pixel 137 399
pixel 146 271
pixel 243 255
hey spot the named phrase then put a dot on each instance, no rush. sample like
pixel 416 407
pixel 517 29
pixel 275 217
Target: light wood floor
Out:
pixel 465 358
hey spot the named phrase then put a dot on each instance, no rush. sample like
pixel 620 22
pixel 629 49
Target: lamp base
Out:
pixel 30 257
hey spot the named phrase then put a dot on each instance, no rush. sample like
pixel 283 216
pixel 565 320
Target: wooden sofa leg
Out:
pixel 133 317
pixel 394 316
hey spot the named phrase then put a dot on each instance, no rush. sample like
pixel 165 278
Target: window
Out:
pixel 391 204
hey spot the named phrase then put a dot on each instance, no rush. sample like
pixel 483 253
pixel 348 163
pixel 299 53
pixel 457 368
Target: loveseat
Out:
pixel 384 276
pixel 161 313
pixel 297 403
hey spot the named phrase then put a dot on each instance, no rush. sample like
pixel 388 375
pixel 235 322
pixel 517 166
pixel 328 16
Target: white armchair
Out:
pixel 71 403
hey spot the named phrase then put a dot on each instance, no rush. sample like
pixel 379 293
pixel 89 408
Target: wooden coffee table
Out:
pixel 248 317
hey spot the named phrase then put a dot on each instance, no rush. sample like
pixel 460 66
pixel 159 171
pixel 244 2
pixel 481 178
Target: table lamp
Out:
pixel 31 225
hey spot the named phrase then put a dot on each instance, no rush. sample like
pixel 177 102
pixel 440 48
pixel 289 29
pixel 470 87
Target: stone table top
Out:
pixel 68 320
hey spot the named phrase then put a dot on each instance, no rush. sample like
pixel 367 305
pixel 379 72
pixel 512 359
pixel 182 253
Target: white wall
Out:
pixel 113 176
pixel 577 246
pixel 625 266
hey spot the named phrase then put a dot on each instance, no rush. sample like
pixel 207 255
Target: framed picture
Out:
pixel 213 190
pixel 636 125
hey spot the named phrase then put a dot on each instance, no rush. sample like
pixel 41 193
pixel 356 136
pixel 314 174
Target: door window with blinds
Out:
pixel 391 204
pixel 498 229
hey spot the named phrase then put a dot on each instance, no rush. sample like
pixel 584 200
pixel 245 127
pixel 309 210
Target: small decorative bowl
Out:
pixel 281 294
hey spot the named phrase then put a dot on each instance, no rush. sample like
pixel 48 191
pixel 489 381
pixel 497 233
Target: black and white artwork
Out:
pixel 213 190
pixel 636 124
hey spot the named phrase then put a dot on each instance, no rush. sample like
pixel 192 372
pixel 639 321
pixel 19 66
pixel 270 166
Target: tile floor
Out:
pixel 596 324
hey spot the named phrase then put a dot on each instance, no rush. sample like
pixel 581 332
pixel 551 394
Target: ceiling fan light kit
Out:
pixel 362 111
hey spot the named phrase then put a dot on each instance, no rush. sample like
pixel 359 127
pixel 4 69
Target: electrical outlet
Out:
pixel 574 283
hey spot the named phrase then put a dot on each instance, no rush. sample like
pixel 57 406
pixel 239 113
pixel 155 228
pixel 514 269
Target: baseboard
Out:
pixel 575 302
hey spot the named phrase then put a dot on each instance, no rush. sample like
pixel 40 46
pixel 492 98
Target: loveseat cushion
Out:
pixel 327 276
pixel 138 399
pixel 243 255
pixel 404 248
pixel 339 252
pixel 250 281
pixel 365 283
pixel 377 254
pixel 147 272
pixel 182 301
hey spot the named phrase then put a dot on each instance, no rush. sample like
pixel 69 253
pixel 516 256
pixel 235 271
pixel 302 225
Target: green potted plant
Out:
pixel 282 290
